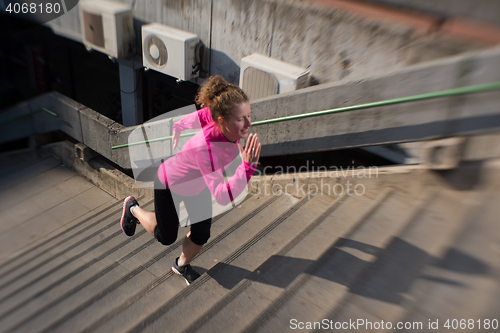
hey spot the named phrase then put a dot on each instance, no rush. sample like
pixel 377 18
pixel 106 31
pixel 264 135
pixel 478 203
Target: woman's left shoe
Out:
pixel 129 221
pixel 186 271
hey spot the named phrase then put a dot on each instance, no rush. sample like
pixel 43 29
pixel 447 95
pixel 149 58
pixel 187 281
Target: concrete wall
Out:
pixel 423 120
pixel 335 44
pixel 430 119
pixel 480 10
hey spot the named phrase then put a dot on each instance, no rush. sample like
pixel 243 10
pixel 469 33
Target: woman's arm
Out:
pixel 224 192
pixel 194 120
pixel 211 170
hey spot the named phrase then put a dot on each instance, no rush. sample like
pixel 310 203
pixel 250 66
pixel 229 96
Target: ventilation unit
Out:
pixel 171 51
pixel 261 76
pixel 107 27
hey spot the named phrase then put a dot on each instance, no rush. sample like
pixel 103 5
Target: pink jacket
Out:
pixel 203 159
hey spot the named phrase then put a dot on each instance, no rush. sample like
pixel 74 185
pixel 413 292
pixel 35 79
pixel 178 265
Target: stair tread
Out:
pixel 238 267
pixel 327 286
pixel 464 283
pixel 94 241
pixel 84 317
pixel 390 254
pixel 386 294
pixel 268 286
pixel 124 319
pixel 61 239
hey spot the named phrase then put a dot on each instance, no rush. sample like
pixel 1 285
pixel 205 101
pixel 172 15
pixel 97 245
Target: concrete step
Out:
pixel 17 158
pixel 267 283
pixel 167 286
pixel 463 283
pixel 44 248
pixel 270 260
pixel 14 173
pixel 157 266
pixel 386 293
pixel 41 207
pixel 26 199
pixel 73 246
pixel 324 286
pixel 131 311
pixel 26 161
pixel 69 278
pixel 239 265
pixel 78 302
pixel 75 275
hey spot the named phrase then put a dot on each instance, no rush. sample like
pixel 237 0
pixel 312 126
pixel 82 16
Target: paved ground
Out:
pixel 416 247
pixel 38 197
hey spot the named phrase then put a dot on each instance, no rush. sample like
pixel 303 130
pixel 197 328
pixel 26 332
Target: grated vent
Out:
pixel 259 84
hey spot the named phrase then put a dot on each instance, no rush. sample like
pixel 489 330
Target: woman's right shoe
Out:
pixel 129 221
pixel 186 271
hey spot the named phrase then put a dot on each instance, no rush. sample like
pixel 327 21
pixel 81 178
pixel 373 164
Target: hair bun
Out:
pixel 216 85
pixel 220 96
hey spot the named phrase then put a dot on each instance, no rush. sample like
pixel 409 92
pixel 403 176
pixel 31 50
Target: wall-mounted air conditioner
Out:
pixel 107 27
pixel 262 76
pixel 171 51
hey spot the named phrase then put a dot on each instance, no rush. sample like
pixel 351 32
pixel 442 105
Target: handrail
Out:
pixel 443 93
pixel 27 115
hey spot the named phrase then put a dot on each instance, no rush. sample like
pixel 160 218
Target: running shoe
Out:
pixel 129 221
pixel 186 271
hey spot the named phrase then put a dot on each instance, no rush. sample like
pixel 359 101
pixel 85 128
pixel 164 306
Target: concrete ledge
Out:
pixel 470 114
pixel 99 133
pixel 491 173
pixel 443 154
pixel 98 172
pixel 416 121
pixel 411 180
pixel 483 147
pixel 336 182
pixel 84 153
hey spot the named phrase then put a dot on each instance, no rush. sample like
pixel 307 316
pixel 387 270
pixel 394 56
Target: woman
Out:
pixel 196 173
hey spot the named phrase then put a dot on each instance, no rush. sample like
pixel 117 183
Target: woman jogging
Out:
pixel 197 172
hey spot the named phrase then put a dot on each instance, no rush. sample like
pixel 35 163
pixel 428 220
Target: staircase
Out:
pixel 414 247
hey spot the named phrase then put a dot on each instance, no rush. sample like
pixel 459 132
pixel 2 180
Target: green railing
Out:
pixel 28 115
pixel 443 93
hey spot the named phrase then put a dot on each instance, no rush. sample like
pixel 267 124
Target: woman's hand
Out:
pixel 251 153
pixel 175 139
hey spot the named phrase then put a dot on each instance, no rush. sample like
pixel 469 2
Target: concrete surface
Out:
pixel 98 171
pixel 335 42
pixel 413 240
pixel 482 10
pixel 40 197
pixel 470 114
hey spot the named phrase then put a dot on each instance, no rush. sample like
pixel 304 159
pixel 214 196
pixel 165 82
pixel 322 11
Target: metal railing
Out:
pixel 443 93
pixel 27 115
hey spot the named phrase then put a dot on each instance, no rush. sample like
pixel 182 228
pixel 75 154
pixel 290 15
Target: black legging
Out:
pixel 167 220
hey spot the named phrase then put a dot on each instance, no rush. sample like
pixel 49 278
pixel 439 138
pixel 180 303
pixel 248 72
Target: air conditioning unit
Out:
pixel 171 51
pixel 107 27
pixel 262 76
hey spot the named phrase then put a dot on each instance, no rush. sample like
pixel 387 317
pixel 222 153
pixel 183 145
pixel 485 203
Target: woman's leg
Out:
pixel 200 212
pixel 147 219
pixel 189 250
pixel 166 223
